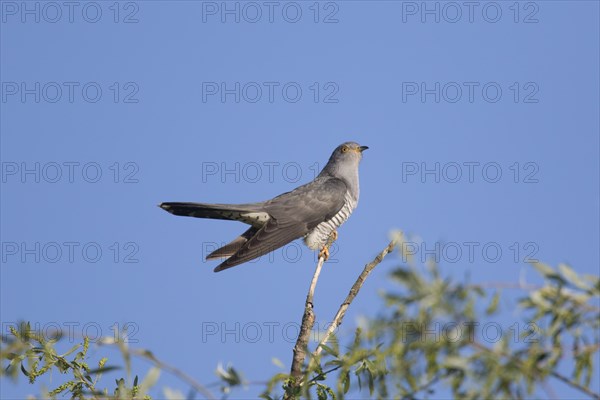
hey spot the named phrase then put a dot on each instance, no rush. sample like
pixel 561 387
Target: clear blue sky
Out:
pixel 170 103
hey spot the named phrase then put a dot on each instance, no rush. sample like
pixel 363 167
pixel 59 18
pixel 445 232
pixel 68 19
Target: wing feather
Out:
pixel 293 215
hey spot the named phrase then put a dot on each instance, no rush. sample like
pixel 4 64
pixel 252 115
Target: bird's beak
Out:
pixel 363 148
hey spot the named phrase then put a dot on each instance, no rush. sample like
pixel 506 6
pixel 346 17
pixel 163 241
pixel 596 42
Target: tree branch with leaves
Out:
pixel 426 341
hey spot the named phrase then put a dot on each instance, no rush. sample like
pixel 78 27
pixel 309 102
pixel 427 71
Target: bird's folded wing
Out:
pixel 268 238
pixel 293 215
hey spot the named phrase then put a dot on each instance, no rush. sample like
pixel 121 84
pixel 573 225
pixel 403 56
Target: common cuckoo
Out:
pixel 313 211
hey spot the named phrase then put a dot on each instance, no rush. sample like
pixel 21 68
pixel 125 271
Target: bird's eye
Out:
pixel 345 149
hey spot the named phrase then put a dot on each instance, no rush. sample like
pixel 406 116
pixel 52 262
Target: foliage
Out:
pixel 432 336
pixel 30 353
pixel 439 334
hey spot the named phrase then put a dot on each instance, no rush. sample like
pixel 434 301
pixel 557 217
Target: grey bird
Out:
pixel 313 211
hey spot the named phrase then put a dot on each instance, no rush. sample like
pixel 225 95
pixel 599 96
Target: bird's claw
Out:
pixel 324 253
pixel 325 250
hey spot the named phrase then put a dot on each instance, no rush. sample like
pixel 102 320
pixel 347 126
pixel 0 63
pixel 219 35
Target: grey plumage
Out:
pixel 311 211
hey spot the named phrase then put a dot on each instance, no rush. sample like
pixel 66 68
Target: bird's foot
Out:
pixel 325 250
pixel 324 253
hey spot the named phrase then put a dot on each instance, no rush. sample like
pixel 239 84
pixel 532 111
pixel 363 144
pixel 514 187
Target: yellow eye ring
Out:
pixel 345 149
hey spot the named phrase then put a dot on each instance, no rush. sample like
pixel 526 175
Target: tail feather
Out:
pixel 214 211
pixel 230 249
pixel 252 214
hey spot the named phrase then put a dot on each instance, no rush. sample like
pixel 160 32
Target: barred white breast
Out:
pixel 317 238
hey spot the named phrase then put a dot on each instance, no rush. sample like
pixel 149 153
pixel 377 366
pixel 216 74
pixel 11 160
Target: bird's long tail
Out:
pixel 234 212
pixel 230 249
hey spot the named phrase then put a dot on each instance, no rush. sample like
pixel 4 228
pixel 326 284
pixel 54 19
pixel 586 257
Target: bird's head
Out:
pixel 348 152
pixel 345 159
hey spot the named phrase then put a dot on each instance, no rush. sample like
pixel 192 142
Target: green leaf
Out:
pixel 543 269
pixel 102 361
pixel 229 375
pixel 71 350
pixel 172 394
pixel 329 350
pixel 479 290
pixel 346 382
pixel 321 393
pixel 24 370
pixel 277 362
pixel 149 381
pixel 493 306
pixel 107 369
pixel 371 383
pixel 548 272
pixel 334 362
pixel 411 381
pixel 455 362
pixel 537 298
pixel 572 277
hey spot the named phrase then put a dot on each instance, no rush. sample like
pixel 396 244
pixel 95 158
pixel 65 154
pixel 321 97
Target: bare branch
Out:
pixel 148 355
pixel 308 321
pixel 425 386
pixel 505 285
pixel 175 371
pixel 575 385
pixel 339 316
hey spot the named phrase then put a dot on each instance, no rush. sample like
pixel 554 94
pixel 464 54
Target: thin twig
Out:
pixel 549 391
pixel 339 316
pixel 324 373
pixel 575 385
pixel 437 377
pixel 148 355
pixel 175 371
pixel 555 374
pixel 505 285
